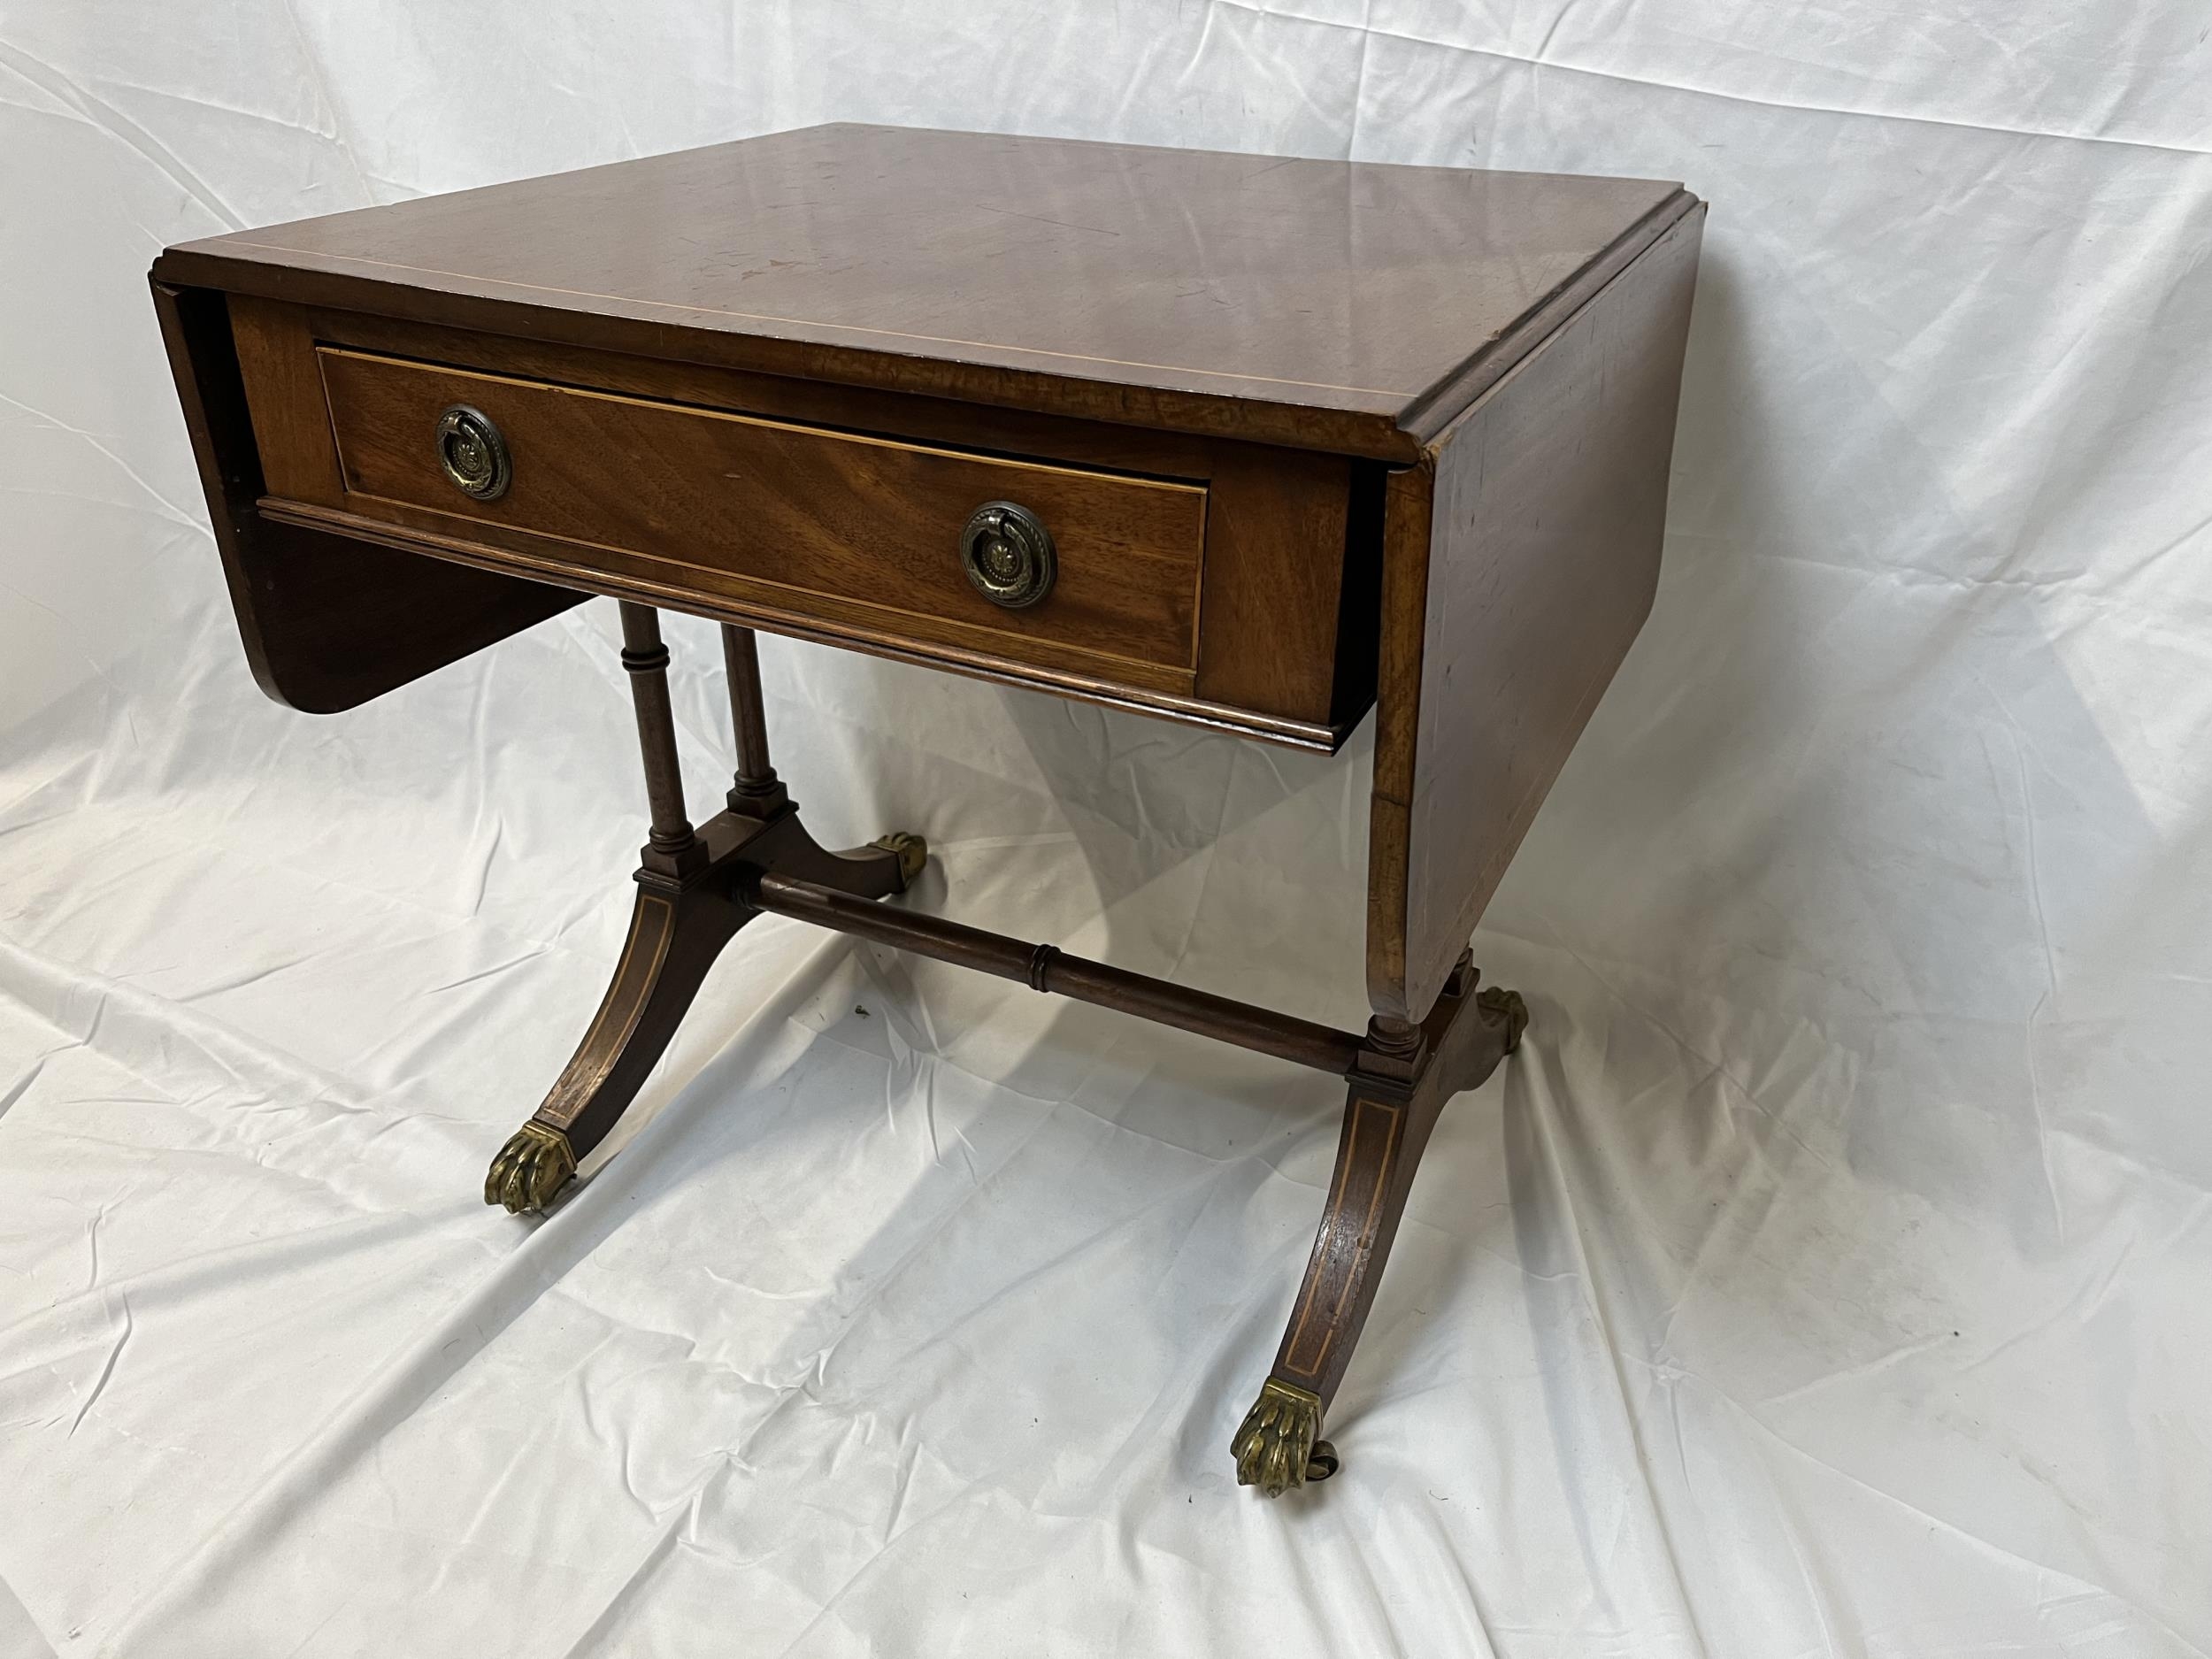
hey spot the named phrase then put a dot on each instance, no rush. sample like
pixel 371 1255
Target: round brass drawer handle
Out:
pixel 472 454
pixel 1008 554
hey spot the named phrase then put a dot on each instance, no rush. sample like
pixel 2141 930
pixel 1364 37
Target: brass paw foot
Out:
pixel 1278 1445
pixel 913 852
pixel 1490 1000
pixel 535 1164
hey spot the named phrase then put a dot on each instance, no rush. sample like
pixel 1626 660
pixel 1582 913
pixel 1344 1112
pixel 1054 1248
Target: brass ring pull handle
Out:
pixel 1008 554
pixel 472 454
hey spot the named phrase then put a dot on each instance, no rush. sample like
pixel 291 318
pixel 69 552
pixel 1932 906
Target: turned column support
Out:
pixel 671 846
pixel 688 906
pixel 757 792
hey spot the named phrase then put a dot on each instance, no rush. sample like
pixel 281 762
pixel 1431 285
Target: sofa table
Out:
pixel 1249 443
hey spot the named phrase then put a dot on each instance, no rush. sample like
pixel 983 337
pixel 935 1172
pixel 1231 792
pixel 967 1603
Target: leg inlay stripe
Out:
pixel 652 924
pixel 1335 1272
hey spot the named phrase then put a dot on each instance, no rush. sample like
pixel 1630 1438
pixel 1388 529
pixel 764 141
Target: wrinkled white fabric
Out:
pixel 1831 1272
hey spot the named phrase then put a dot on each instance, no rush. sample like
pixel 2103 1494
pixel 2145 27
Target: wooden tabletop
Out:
pixel 1338 304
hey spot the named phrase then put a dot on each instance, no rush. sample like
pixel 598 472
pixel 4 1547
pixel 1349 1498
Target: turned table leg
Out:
pixel 689 904
pixel 756 791
pixel 1399 1086
pixel 885 866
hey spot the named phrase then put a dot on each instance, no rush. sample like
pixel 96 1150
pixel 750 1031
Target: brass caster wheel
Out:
pixel 535 1164
pixel 1279 1446
pixel 913 853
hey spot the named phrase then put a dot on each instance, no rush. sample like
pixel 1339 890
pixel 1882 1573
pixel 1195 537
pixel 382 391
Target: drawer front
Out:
pixel 863 534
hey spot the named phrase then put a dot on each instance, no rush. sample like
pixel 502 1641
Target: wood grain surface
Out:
pixel 1331 304
pixel 827 516
pixel 328 621
pixel 1277 527
pixel 1521 558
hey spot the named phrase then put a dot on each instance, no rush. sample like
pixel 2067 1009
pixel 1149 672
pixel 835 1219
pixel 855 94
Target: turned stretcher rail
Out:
pixel 1047 968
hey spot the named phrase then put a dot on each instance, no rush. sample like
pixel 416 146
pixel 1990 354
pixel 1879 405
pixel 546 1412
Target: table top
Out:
pixel 1355 291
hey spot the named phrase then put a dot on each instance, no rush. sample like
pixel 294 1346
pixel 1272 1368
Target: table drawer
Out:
pixel 858 532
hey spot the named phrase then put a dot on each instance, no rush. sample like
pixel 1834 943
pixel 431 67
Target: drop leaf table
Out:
pixel 1251 443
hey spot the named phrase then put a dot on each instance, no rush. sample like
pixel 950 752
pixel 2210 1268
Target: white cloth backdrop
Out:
pixel 1831 1273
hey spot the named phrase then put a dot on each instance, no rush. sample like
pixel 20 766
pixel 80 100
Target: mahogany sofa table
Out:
pixel 1248 443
